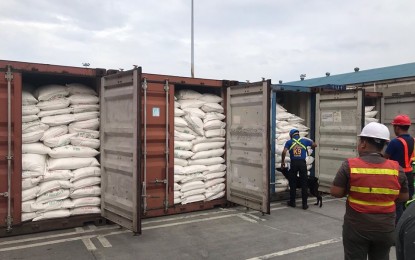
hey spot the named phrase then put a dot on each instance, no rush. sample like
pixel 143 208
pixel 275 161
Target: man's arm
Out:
pixel 313 145
pixel 338 192
pixel 403 196
pixel 284 152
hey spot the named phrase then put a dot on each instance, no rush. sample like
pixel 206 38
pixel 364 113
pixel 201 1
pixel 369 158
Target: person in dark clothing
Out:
pixel 297 147
pixel 405 233
pixel 372 184
pixel 401 149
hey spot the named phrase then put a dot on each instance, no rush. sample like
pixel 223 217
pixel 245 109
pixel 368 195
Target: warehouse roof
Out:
pixel 372 75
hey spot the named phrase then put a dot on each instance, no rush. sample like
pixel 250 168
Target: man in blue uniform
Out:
pixel 297 148
pixel 401 149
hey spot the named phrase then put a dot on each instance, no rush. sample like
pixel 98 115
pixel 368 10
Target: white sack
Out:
pixel 30 194
pixel 194 123
pixel 58 120
pixel 215 168
pixel 92 124
pixel 283 115
pixel 76 88
pixel 29 183
pixel 212 190
pixel 309 160
pixel 214 124
pixel 83 99
pixel 176 104
pixel 28 98
pixel 52 205
pixel 28 216
pixel 177 194
pixel 89 191
pixel 194 169
pixel 200 139
pixel 60 213
pixel 30 110
pixel 183 145
pixel 86 133
pixel 211 98
pixel 281 108
pixel 207 146
pixel 370 119
pixel 194 112
pixel 86 182
pixel 212 182
pixel 85 210
pixel 295 119
pixel 192 186
pixel 86 116
pixel 49 92
pixel 177 200
pixel 86 172
pixel 180 122
pixel 71 163
pixel 36 148
pixel 178 136
pixel 178 178
pixel 86 142
pixel 208 154
pixel 182 154
pixel 178 169
pixel 73 151
pixel 59 140
pixel 27 206
pixel 193 198
pixel 185 130
pixel 57 175
pixel 217 196
pixel 215 133
pixel 177 187
pixel 178 112
pixel 29 118
pixel 84 108
pixel 213 116
pixel 191 103
pixel 212 107
pixel 49 186
pixel 207 162
pixel 34 163
pixel 192 192
pixel 33 126
pixel 53 195
pixel 180 162
pixel 188 94
pixel 193 177
pixel 62 111
pixel 32 137
pixel 370 114
pixel 87 201
pixel 53 104
pixel 211 176
pixel 55 131
pixel 369 108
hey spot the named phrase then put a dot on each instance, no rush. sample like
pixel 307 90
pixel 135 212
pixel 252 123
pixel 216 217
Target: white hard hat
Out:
pixel 375 130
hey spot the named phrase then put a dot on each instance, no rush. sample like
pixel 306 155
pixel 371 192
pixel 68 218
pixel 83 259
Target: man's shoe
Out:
pixel 305 207
pixel 289 204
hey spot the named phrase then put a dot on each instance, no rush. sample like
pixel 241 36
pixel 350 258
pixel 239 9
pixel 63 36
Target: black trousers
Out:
pixel 359 245
pixel 298 166
pixel 400 206
pixel 405 235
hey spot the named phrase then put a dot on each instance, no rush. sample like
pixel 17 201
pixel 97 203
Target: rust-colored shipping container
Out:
pixel 138 173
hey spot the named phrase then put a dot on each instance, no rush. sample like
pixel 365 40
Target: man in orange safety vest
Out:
pixel 372 184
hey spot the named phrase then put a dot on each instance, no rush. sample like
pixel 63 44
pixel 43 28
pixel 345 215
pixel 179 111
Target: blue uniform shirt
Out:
pixel 298 152
pixel 395 149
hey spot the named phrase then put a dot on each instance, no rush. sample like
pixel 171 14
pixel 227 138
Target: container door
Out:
pixel 120 177
pixel 398 100
pixel 10 209
pixel 248 145
pixel 339 119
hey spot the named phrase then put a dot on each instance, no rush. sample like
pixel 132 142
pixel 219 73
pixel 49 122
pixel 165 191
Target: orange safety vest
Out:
pixel 408 166
pixel 373 187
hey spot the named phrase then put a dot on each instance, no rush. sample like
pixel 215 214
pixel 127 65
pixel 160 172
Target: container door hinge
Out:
pixel 9 158
pixel 9 222
pixel 4 194
pixel 160 181
pixel 166 86
pixel 9 74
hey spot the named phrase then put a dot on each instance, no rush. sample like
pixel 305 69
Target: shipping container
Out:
pixel 137 113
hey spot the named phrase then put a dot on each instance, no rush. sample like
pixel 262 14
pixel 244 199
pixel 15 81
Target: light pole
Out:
pixel 193 48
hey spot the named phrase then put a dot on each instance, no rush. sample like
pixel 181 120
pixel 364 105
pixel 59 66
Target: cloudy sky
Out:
pixel 234 39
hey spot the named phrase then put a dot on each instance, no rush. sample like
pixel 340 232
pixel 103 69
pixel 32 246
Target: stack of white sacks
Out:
pixel 284 123
pixel 370 114
pixel 199 146
pixel 60 174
